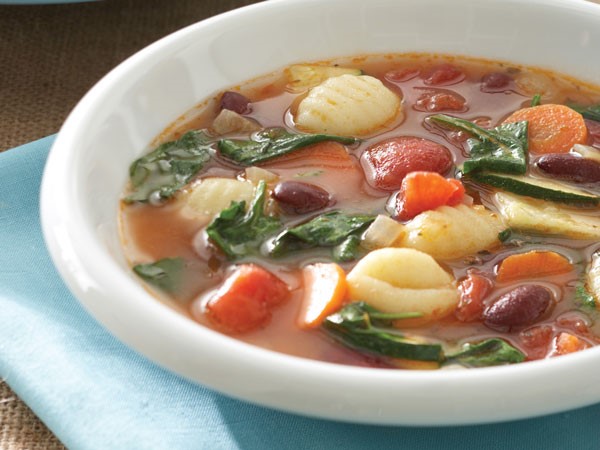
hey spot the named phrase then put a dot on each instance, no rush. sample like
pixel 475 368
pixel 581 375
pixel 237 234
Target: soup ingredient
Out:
pixel 360 326
pixel 401 280
pixel 593 278
pixel 552 128
pixel 524 214
pixel 296 197
pixel 491 352
pixel 162 172
pixel 388 162
pixel 383 232
pixel 271 143
pixel 236 102
pixel 586 151
pixel 256 174
pixel 165 274
pixel 444 74
pixel 325 290
pixel 332 229
pixel 570 167
pixel 568 343
pixel 231 122
pixel 302 77
pixel 238 232
pixel 434 100
pixel 348 105
pixel 244 301
pixel 495 82
pixel 502 149
pixel 212 195
pixel 544 189
pixel 423 191
pixel 447 232
pixel 473 291
pixel 589 112
pixel 522 305
pixel 533 264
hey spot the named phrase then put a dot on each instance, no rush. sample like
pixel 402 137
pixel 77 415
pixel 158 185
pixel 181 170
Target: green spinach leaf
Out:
pixel 491 352
pixel 326 230
pixel 583 297
pixel 589 112
pixel 536 100
pixel 502 149
pixel 239 233
pixel 271 143
pixel 169 167
pixel 166 274
pixel 358 326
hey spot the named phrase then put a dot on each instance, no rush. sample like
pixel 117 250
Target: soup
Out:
pixel 397 211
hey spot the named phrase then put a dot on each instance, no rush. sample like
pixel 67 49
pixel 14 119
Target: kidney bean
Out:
pixel 495 82
pixel 295 197
pixel 523 305
pixel 236 102
pixel 387 162
pixel 566 166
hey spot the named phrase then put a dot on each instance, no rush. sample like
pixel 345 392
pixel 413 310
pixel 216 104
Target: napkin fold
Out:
pixel 95 393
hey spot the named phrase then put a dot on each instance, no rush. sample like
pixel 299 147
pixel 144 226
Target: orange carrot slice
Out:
pixel 532 264
pixel 422 191
pixel 324 293
pixel 568 343
pixel 552 128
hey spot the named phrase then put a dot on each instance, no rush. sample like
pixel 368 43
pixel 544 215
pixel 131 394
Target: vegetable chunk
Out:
pixel 532 264
pixel 348 105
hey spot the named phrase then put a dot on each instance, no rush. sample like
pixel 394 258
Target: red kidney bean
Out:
pixel 523 305
pixel 387 162
pixel 236 102
pixel 495 82
pixel 566 166
pixel 295 197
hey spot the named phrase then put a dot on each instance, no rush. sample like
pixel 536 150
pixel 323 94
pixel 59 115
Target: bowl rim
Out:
pixel 88 280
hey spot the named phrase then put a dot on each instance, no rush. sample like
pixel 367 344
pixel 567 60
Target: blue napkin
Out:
pixel 95 393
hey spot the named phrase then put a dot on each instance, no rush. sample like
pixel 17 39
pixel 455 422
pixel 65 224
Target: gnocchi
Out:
pixel 348 105
pixel 212 195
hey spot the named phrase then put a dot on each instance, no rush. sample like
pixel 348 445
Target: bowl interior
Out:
pixel 116 121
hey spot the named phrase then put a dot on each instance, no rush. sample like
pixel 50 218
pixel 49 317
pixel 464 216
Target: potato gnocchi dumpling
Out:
pixel 399 280
pixel 212 195
pixel 450 232
pixel 348 105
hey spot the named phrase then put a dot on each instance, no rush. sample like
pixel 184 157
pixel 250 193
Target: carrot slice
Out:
pixel 552 128
pixel 324 292
pixel 422 191
pixel 532 264
pixel 569 343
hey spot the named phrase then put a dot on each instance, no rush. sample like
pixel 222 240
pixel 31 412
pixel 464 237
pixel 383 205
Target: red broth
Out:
pixel 483 92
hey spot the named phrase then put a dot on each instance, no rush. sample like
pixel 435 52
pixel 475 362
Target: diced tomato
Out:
pixel 387 162
pixel 245 299
pixel 473 291
pixel 568 343
pixel 593 128
pixel 444 74
pixel 536 341
pixel 440 100
pixel 496 82
pixel 423 191
pixel 400 75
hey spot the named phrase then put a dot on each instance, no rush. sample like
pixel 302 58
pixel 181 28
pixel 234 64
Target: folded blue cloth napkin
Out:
pixel 95 393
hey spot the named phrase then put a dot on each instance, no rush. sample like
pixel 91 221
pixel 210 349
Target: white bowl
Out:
pixel 87 171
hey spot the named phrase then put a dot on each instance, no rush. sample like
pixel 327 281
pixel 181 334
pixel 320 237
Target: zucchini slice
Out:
pixel 302 77
pixel 521 213
pixel 537 188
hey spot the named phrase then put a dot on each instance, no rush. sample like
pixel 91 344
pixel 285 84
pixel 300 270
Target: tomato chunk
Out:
pixel 568 343
pixel 440 100
pixel 473 290
pixel 245 299
pixel 387 162
pixel 444 74
pixel 422 191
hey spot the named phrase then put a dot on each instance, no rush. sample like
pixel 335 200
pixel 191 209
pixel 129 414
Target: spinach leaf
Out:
pixel 589 112
pixel 584 298
pixel 166 274
pixel 239 233
pixel 326 230
pixel 536 100
pixel 491 352
pixel 271 143
pixel 357 325
pixel 502 149
pixel 169 167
